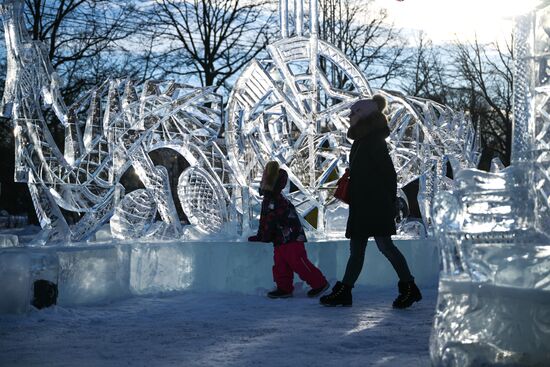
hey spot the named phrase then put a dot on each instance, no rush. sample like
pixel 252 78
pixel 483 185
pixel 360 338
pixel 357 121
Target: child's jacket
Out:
pixel 279 222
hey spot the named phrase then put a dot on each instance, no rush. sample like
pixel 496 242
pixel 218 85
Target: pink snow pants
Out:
pixel 291 258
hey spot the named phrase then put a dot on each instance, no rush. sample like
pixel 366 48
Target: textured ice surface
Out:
pixel 15 273
pixel 493 231
pixel 98 273
pixel 158 268
pixel 9 240
pixel 337 219
pixel 93 274
pixel 486 325
pixel 133 215
pixel 495 283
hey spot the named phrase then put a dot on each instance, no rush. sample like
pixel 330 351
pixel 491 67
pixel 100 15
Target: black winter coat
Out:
pixel 373 184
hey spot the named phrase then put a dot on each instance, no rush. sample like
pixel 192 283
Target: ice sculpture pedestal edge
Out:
pixel 488 325
pixel 101 273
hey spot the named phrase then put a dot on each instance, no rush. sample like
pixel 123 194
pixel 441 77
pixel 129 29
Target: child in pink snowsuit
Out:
pixel 280 224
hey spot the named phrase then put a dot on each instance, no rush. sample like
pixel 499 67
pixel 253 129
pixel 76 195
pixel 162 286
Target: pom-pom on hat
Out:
pixel 380 102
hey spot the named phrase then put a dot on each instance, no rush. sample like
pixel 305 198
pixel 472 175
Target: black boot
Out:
pixel 408 294
pixel 314 292
pixel 341 295
pixel 279 293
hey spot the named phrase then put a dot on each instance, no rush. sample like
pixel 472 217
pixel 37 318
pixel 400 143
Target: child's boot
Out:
pixel 314 292
pixel 279 293
pixel 340 296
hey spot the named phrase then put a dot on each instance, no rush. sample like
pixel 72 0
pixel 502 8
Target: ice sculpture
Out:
pixel 426 139
pixel 493 231
pixel 292 107
pixel 110 128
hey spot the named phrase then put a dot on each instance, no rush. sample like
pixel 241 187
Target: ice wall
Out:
pixel 88 274
pixel 493 232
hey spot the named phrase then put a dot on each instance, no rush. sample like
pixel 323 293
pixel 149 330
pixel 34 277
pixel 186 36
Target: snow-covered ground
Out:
pixel 191 328
pixel 203 304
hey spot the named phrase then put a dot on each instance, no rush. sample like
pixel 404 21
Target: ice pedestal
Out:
pixel 247 267
pixel 15 284
pixel 18 271
pixel 494 310
pixel 100 273
pixel 493 307
pixel 9 240
pixel 488 325
pixel 158 268
pixel 336 218
pixel 93 274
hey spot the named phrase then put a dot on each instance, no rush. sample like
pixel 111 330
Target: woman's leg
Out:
pixel 357 248
pixel 296 257
pixel 396 258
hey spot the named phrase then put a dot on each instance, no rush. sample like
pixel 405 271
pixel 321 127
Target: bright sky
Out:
pixel 449 20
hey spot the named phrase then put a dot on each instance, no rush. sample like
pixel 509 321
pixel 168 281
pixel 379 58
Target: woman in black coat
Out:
pixel 373 189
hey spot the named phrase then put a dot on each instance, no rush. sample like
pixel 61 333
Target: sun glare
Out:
pixel 450 20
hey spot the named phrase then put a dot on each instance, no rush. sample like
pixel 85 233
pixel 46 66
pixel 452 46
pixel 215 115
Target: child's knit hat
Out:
pixel 269 177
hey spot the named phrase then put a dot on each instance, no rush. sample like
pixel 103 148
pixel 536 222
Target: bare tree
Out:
pixel 365 36
pixel 486 72
pixel 470 77
pixel 82 36
pixel 211 40
pixel 424 73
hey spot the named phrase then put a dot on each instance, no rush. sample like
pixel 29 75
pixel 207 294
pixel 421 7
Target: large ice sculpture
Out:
pixel 494 233
pixel 110 128
pixel 292 107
